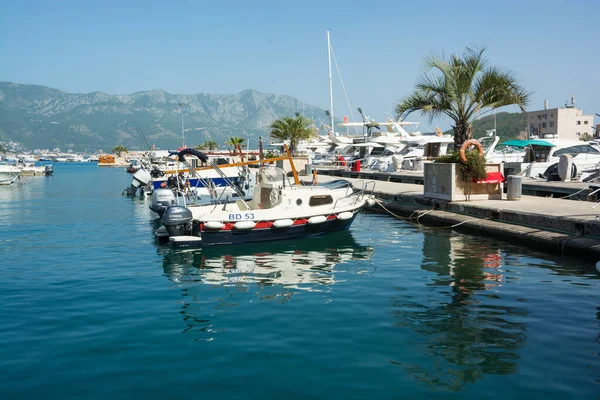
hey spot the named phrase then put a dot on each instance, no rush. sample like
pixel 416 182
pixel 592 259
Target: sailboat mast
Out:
pixel 330 85
pixel 182 130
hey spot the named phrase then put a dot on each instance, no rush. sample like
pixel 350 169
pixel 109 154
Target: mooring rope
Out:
pixel 420 213
pixel 573 194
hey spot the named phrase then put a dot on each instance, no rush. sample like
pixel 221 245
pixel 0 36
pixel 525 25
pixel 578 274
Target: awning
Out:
pixel 523 143
pixel 368 144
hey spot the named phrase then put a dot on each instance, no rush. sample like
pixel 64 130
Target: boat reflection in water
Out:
pixel 215 279
pixel 305 264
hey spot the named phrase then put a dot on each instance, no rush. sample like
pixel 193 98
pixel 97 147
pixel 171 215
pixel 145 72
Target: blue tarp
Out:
pixel 523 143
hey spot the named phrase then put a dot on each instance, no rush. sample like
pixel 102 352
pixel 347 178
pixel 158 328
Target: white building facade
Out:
pixel 564 123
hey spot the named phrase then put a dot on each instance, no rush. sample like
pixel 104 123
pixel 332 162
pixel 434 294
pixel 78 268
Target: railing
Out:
pixel 359 193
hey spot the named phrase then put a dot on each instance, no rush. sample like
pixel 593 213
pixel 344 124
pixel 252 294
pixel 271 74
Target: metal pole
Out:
pixel 330 85
pixel 182 131
pixel 494 122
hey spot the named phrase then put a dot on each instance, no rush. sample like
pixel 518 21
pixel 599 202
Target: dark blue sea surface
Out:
pixel 93 308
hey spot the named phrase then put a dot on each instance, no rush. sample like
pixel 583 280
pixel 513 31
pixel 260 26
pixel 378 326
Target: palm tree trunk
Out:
pixel 462 133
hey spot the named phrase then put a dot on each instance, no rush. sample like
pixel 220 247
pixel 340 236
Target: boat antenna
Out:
pixel 330 85
pixel 182 130
pixel 363 118
pixel 260 150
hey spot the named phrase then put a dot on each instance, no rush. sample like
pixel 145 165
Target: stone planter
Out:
pixel 443 181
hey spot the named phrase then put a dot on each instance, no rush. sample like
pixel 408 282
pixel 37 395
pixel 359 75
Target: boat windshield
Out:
pixel 272 174
pixel 580 149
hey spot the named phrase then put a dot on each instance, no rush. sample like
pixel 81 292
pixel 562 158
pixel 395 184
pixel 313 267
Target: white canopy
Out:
pixel 368 144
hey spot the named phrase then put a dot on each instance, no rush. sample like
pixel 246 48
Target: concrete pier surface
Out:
pixel 530 186
pixel 560 226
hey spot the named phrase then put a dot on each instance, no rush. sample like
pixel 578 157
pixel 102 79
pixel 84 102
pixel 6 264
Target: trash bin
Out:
pixel 515 184
pixel 308 169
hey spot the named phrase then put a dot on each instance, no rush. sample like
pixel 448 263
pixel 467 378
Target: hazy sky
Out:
pixel 121 47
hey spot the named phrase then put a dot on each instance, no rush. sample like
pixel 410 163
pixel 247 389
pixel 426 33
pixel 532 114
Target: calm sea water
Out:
pixel 92 307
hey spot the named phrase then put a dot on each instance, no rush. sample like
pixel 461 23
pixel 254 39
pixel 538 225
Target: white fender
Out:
pixel 244 225
pixel 214 225
pixel 283 223
pixel 345 215
pixel 318 219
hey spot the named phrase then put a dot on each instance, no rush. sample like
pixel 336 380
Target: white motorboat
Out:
pixel 543 156
pixel 278 210
pixel 30 169
pixel 8 174
pixel 179 191
pixel 494 155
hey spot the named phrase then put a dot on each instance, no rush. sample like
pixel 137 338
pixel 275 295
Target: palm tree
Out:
pixel 292 130
pixel 208 145
pixel 120 149
pixel 234 141
pixel 464 88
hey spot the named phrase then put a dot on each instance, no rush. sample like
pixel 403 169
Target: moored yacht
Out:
pixel 279 209
pixel 8 174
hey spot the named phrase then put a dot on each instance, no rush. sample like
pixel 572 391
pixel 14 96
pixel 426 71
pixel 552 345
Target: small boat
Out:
pixel 279 209
pixel 178 191
pixel 8 174
pixel 30 169
pixel 542 158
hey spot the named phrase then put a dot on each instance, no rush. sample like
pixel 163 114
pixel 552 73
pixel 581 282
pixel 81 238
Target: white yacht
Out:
pixel 8 174
pixel 540 155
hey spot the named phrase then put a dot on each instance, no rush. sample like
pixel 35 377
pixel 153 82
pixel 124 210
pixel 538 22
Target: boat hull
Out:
pixel 8 174
pixel 230 235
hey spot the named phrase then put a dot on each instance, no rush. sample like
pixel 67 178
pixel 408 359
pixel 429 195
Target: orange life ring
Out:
pixel 463 148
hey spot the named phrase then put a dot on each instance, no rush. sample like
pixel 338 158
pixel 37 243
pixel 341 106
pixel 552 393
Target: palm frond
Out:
pixel 461 87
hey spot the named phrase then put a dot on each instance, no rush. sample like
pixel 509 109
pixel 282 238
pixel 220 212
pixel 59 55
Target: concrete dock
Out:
pixel 562 226
pixel 531 187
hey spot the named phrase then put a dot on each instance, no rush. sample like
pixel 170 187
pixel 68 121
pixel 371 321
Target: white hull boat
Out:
pixel 8 174
pixel 29 169
pixel 278 210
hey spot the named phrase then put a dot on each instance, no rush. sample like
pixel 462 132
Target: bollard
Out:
pixel 515 184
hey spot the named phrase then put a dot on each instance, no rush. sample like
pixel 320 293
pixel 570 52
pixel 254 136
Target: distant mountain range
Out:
pixel 40 117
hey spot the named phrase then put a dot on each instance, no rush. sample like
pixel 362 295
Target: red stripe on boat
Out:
pixel 263 225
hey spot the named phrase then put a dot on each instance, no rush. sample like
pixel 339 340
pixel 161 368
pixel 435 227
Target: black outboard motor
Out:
pixel 156 172
pixel 178 221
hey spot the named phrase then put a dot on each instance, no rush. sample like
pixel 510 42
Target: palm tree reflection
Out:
pixel 214 278
pixel 469 328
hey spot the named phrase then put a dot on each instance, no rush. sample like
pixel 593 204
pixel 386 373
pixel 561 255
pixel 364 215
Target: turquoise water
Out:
pixel 92 307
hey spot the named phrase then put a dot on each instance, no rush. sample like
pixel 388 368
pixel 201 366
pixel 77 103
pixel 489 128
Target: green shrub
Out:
pixel 473 169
